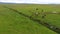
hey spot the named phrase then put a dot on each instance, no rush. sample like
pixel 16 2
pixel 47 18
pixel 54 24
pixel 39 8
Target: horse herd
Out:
pixel 43 13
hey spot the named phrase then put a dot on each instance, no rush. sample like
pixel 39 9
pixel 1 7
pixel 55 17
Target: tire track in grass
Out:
pixel 51 27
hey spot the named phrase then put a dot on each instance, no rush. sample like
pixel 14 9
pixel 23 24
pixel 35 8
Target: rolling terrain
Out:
pixel 14 23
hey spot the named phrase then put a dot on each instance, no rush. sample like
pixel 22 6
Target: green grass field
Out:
pixel 28 9
pixel 14 23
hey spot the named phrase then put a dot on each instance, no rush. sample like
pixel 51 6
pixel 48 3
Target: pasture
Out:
pixel 14 23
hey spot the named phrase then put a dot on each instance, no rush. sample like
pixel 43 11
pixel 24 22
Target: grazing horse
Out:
pixel 36 8
pixel 43 14
pixel 36 13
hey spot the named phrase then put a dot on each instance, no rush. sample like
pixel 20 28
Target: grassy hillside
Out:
pixel 31 9
pixel 14 23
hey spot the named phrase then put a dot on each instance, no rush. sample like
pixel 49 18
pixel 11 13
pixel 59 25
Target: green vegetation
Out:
pixel 30 10
pixel 14 23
